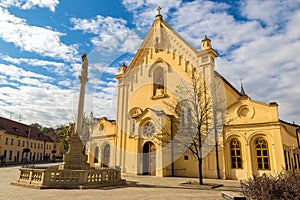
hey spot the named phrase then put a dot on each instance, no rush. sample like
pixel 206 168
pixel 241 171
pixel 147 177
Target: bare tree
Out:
pixel 194 123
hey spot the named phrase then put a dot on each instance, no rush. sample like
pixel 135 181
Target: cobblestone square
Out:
pixel 138 187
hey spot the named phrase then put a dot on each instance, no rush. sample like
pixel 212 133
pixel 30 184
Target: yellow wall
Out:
pixel 37 148
pixel 103 133
pixel 246 120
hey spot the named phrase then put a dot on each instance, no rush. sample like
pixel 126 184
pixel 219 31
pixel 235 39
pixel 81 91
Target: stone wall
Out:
pixel 58 178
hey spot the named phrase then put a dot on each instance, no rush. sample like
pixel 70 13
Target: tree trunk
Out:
pixel 200 171
pixel 200 156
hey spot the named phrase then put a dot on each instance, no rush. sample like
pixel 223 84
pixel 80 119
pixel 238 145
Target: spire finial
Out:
pixel 242 88
pixel 158 10
pixel 159 16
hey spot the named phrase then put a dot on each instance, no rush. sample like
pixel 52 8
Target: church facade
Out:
pixel 251 139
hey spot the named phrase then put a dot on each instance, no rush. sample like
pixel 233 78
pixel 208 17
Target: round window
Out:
pixel 148 129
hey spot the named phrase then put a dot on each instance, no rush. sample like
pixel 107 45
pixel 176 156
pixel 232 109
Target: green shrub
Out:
pixel 266 187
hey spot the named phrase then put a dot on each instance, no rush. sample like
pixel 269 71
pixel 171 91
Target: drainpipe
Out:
pixel 172 153
pixel 217 148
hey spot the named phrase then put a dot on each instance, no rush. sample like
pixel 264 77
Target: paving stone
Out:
pixel 137 187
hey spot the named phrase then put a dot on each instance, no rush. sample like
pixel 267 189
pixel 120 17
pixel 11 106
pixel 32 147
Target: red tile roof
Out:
pixel 22 130
pixel 51 136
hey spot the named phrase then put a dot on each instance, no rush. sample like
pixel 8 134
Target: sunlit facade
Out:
pixel 20 143
pixel 253 139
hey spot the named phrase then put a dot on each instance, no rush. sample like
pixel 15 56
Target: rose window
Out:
pixel 148 129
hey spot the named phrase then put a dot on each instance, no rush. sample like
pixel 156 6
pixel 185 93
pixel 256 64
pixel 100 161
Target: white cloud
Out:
pixel 46 106
pixel 267 61
pixel 258 46
pixel 14 72
pixel 58 68
pixel 66 83
pixel 100 97
pixel 194 20
pixel 103 68
pixel 29 4
pixel 112 33
pixel 107 96
pixel 145 10
pixel 16 77
pixel 273 14
pixel 32 62
pixel 43 41
pixel 292 30
pixel 34 96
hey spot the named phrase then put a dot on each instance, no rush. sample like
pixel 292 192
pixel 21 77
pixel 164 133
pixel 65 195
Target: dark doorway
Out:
pixel 106 156
pixel 149 159
pixel 96 156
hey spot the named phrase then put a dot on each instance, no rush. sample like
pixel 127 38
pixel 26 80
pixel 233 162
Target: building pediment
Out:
pixel 162 38
pixel 247 111
pixel 150 114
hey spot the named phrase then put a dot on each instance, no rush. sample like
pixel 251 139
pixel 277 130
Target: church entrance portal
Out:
pixel 106 156
pixel 149 159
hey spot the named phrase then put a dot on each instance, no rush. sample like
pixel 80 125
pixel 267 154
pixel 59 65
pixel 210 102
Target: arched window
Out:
pixel 158 82
pixel 132 126
pixel 133 114
pixel 96 156
pixel 262 154
pixel 236 154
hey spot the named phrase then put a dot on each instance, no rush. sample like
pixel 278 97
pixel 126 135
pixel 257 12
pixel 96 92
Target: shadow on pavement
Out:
pixel 136 184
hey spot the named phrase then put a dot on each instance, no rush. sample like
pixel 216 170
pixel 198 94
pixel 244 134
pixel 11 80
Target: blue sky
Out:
pixel 41 42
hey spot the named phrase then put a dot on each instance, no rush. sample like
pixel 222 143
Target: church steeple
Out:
pixel 206 43
pixel 123 68
pixel 207 54
pixel 157 36
pixel 243 93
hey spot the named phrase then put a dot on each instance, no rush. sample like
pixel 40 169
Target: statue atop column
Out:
pixel 83 79
pixel 84 68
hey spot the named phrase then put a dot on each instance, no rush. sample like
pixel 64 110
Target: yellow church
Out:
pixel 249 138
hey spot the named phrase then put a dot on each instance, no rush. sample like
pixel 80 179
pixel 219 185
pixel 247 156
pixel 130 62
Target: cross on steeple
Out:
pixel 158 16
pixel 158 10
pixel 242 88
